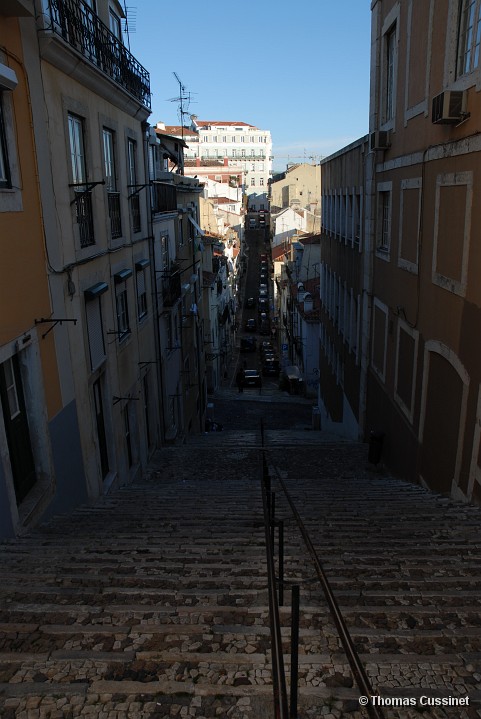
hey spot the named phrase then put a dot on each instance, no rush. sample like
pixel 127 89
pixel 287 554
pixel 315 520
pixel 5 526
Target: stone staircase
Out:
pixel 153 604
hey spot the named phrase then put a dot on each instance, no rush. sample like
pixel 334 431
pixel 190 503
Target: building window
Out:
pixel 141 284
pixel 261 181
pixel 95 330
pixel 384 221
pixel 469 36
pixel 114 22
pixel 224 138
pixel 5 180
pixel 111 183
pixel 390 40
pixel 121 303
pixel 134 197
pixel 243 153
pixel 77 150
pixel 253 181
pixel 83 197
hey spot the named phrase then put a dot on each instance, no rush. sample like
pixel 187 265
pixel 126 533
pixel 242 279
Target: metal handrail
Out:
pixel 355 663
pixel 278 672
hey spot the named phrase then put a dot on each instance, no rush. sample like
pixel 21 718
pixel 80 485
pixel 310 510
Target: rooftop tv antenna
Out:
pixel 184 101
pixel 129 21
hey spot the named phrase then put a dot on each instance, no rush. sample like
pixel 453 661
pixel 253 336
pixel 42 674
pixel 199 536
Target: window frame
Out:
pixel 384 223
pixel 468 51
pixel 108 150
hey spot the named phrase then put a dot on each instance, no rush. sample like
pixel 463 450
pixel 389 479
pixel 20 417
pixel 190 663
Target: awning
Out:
pixel 199 230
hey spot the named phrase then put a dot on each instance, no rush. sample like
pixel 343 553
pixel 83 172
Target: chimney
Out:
pixel 226 161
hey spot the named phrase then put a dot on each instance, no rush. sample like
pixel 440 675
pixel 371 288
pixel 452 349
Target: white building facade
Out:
pixel 243 146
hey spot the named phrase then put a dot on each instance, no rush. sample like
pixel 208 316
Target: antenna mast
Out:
pixel 184 97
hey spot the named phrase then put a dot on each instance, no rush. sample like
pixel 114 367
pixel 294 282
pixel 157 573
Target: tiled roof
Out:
pixel 222 200
pixel 178 130
pixel 203 123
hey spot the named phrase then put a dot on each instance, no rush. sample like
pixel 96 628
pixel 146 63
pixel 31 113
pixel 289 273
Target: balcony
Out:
pixel 114 214
pixel 85 221
pixel 171 287
pixel 135 213
pixel 80 27
pixel 164 198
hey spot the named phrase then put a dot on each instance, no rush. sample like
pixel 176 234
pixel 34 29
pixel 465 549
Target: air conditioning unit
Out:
pixel 380 140
pixel 449 107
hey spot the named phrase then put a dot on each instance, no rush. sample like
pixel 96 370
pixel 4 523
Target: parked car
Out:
pixel 250 302
pixel 263 258
pixel 268 356
pixel 271 368
pixel 252 378
pixel 248 344
pixel 263 304
pixel 265 346
pixel 263 278
pixel 251 325
pixel 265 328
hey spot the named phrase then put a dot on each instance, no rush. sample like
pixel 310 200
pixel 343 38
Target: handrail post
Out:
pixel 272 518
pixel 294 650
pixel 280 525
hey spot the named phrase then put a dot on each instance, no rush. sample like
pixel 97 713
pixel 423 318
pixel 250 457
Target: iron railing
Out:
pixel 114 214
pixel 171 288
pixel 164 197
pixel 85 218
pixel 82 29
pixel 135 213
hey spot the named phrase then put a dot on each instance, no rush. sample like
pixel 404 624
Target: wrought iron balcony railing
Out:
pixel 171 288
pixel 164 198
pixel 85 218
pixel 81 28
pixel 135 213
pixel 114 214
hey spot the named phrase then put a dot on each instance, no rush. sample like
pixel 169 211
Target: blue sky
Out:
pixel 299 69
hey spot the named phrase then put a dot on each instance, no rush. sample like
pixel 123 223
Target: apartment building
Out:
pixel 298 186
pixel 178 270
pixel 38 437
pixel 236 145
pixel 344 290
pixel 78 350
pixel 424 379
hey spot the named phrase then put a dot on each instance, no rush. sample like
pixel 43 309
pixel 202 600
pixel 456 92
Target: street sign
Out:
pixel 284 348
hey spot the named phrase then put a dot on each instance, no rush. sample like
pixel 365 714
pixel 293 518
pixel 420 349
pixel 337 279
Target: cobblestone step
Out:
pixel 153 603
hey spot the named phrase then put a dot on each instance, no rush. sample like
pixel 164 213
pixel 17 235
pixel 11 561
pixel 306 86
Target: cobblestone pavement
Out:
pixel 152 603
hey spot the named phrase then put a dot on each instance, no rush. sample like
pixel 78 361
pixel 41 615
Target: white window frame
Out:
pixel 108 145
pixel 469 37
